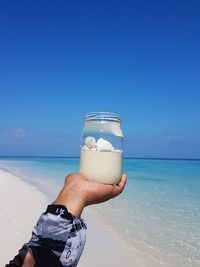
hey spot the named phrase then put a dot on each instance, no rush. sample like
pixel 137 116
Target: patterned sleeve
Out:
pixel 58 239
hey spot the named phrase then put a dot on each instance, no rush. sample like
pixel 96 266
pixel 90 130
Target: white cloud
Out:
pixel 17 133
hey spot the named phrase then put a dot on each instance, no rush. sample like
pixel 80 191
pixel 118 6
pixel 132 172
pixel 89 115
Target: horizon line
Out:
pixel 128 157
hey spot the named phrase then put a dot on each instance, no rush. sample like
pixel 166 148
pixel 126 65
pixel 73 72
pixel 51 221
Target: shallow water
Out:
pixel 158 215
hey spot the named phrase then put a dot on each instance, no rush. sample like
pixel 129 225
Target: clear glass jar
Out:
pixel 101 148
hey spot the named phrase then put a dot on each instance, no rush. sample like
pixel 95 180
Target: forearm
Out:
pixel 71 201
pixel 57 240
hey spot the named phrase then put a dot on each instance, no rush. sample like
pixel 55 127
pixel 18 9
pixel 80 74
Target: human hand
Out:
pixel 78 192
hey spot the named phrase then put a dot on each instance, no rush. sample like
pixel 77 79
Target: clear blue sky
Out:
pixel 61 59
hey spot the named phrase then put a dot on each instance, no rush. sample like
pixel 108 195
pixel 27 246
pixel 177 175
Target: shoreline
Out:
pixel 102 247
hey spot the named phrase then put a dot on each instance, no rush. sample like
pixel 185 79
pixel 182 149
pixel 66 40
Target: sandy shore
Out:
pixel 22 204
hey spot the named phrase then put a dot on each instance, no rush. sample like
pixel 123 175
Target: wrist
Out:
pixel 71 200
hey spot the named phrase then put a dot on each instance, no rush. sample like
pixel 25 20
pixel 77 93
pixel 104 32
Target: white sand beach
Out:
pixel 21 205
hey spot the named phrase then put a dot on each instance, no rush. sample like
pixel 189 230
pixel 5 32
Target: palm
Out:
pixel 97 192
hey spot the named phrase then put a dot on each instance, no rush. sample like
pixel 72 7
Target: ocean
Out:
pixel 158 214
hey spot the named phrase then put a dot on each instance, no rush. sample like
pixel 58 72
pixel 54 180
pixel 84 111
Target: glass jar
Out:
pixel 101 148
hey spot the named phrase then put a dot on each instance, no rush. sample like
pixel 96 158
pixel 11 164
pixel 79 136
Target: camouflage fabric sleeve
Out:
pixel 58 239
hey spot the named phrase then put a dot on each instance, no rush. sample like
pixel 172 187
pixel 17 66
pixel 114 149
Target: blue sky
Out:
pixel 61 59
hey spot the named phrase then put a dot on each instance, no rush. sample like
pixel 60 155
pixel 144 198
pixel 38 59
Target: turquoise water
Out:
pixel 158 215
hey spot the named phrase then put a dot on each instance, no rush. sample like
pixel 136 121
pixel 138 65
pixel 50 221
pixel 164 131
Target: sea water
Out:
pixel 158 214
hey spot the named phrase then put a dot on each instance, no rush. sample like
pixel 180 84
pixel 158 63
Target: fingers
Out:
pixel 117 189
pixel 94 192
pixel 122 182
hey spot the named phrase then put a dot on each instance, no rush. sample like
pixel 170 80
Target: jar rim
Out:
pixel 102 117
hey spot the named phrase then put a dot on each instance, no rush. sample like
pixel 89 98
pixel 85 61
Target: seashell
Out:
pixel 93 149
pixel 104 145
pixel 85 148
pixel 90 142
